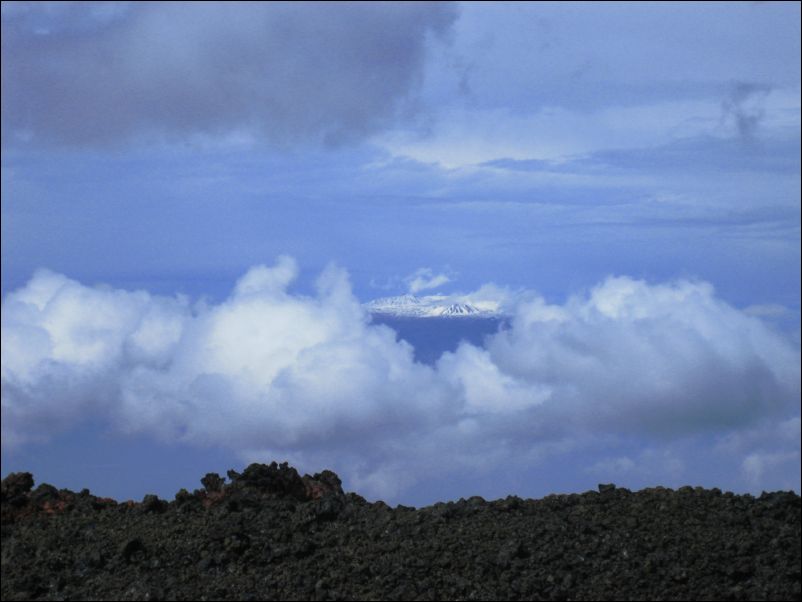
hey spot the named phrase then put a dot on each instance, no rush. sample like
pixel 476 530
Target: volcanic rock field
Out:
pixel 269 533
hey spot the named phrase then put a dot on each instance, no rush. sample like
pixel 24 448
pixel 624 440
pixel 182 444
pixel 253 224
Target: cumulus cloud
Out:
pixel 274 374
pixel 662 358
pixel 423 279
pixel 96 73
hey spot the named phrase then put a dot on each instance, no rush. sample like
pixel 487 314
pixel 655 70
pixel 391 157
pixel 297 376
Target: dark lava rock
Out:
pixel 44 493
pixel 212 482
pixel 270 533
pixel 15 488
pixel 152 503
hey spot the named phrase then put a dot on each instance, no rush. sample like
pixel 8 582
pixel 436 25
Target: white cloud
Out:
pixel 669 357
pixel 423 279
pixel 273 374
pixel 492 297
pixel 484 387
pixel 470 137
pixel 461 138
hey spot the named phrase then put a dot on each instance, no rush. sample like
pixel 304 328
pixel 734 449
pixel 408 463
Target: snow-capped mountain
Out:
pixel 461 309
pixel 432 306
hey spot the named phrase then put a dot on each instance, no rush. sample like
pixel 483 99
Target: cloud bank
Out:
pixel 99 73
pixel 273 374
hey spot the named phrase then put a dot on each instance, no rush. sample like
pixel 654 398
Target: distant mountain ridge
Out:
pixel 433 306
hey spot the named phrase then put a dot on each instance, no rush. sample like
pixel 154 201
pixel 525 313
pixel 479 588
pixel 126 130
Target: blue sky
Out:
pixel 561 151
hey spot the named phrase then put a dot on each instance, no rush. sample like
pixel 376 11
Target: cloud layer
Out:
pixel 89 74
pixel 273 374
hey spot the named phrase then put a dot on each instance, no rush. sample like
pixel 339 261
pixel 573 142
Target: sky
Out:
pixel 198 197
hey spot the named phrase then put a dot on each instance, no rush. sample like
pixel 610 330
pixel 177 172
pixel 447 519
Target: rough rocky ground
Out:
pixel 272 534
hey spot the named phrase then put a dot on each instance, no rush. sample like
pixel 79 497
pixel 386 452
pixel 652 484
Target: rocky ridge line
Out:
pixel 270 533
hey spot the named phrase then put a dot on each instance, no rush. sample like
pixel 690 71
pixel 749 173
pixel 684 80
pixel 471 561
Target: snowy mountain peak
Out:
pixel 432 306
pixel 407 299
pixel 460 309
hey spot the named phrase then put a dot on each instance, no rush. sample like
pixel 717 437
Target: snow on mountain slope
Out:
pixel 460 309
pixel 432 306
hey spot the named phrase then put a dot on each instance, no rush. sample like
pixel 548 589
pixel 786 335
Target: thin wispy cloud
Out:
pixel 424 279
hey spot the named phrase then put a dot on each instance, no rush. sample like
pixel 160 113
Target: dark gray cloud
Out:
pixel 99 73
pixel 744 106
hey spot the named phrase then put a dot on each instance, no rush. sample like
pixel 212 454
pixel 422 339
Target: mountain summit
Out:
pixel 461 309
pixel 432 306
